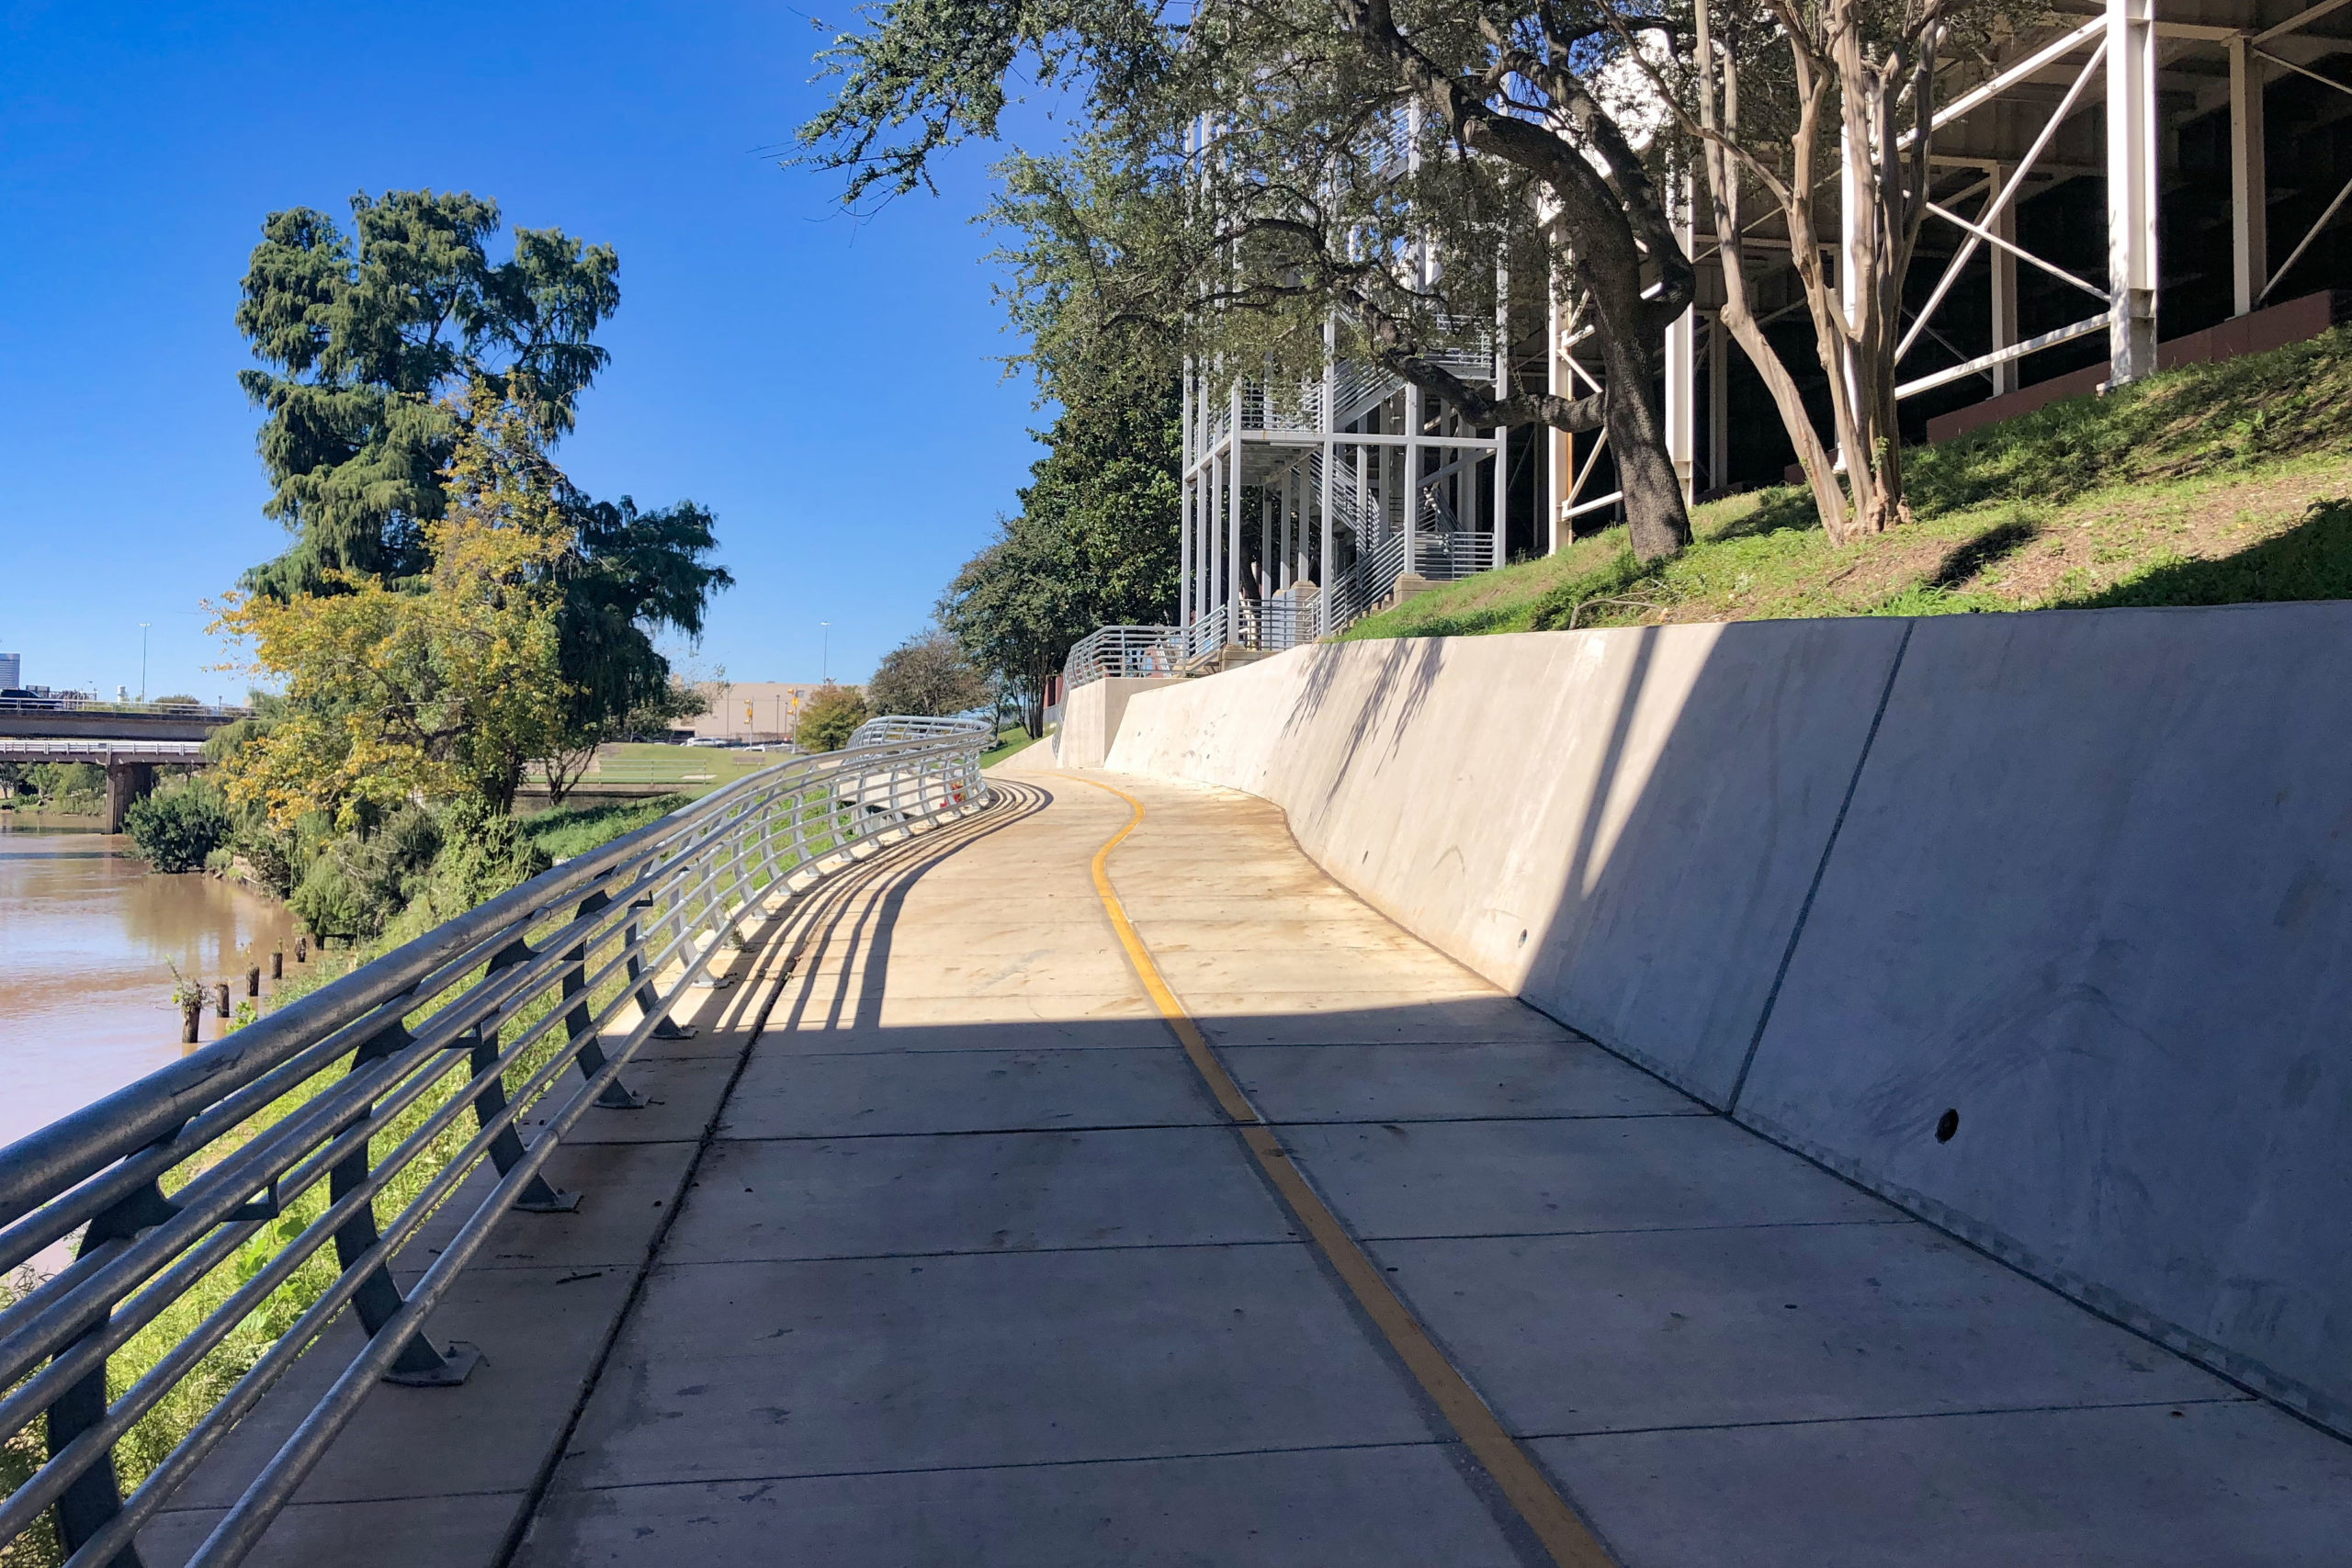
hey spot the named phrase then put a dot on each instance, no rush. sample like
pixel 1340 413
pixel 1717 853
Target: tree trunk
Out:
pixel 1656 518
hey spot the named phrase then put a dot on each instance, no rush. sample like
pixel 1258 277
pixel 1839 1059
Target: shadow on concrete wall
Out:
pixel 2040 925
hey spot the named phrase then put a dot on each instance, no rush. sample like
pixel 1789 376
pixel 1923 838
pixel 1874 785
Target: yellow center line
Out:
pixel 1521 1482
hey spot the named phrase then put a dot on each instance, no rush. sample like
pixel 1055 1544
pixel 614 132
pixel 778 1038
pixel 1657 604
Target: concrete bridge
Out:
pixel 51 718
pixel 1095 1181
pixel 130 765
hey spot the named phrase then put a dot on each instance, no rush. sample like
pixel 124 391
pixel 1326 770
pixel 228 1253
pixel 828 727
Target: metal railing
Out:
pixel 75 703
pixel 219 1181
pixel 1125 652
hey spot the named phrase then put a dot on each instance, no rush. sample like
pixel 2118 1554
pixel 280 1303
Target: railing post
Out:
pixel 579 1023
pixel 378 1299
pixel 490 1099
pixel 93 1497
pixel 648 1003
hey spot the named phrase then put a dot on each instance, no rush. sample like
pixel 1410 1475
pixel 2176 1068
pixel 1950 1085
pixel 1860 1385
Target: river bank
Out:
pixel 93 939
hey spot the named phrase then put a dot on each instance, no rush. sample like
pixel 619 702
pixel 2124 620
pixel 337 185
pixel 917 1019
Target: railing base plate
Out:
pixel 459 1359
pixel 563 1203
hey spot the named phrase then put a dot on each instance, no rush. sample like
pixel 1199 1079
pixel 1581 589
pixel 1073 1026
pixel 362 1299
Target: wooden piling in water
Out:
pixel 191 1017
pixel 278 966
pixel 221 997
pixel 252 980
pixel 301 949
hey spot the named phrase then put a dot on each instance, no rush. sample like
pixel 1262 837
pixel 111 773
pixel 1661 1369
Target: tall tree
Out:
pixel 1094 543
pixel 366 336
pixel 1776 96
pixel 371 338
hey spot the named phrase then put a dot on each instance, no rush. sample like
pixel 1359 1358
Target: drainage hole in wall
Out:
pixel 1946 1125
pixel 1523 939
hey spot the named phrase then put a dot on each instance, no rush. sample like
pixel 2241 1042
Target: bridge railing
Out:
pixel 279 1174
pixel 149 710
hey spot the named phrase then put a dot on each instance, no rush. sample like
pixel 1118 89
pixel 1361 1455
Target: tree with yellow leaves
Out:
pixel 434 687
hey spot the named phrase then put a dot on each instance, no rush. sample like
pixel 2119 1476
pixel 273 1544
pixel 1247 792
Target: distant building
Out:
pixel 12 670
pixel 753 712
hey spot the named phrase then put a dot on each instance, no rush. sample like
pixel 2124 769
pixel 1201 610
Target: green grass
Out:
pixel 1008 741
pixel 2212 484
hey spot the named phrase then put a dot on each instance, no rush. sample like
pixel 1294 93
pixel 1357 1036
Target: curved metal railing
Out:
pixel 1123 650
pixel 215 1185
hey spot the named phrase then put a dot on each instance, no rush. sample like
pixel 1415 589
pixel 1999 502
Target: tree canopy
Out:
pixel 382 346
pixel 1094 543
pixel 927 676
pixel 1249 171
pixel 831 716
pixel 366 335
pixel 436 688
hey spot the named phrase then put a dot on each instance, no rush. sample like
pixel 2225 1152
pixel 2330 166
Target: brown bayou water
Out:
pixel 88 937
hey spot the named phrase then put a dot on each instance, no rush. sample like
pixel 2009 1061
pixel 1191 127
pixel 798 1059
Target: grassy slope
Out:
pixel 2212 484
pixel 1008 741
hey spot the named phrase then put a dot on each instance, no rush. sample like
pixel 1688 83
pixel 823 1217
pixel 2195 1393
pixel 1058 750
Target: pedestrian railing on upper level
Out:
pixel 201 1201
pixel 1123 650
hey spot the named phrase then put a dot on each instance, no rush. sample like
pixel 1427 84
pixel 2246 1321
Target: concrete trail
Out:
pixel 972 1269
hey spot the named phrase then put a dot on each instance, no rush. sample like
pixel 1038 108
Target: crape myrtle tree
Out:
pixel 1776 96
pixel 1362 160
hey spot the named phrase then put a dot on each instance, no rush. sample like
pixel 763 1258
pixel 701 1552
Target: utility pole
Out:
pixel 143 662
pixel 825 652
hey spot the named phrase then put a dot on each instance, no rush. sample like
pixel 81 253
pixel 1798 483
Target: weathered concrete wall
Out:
pixel 1091 715
pixel 2093 891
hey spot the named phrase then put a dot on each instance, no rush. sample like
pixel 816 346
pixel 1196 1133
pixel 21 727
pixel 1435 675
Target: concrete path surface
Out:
pixel 961 1259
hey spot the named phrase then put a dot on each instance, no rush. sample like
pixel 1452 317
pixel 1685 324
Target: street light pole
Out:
pixel 825 653
pixel 143 662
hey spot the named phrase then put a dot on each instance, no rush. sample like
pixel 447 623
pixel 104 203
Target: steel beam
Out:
pixel 2249 179
pixel 2131 161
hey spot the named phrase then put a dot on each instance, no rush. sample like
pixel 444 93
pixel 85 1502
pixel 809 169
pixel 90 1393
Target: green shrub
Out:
pixel 178 826
pixel 363 879
pixel 831 717
pixel 484 852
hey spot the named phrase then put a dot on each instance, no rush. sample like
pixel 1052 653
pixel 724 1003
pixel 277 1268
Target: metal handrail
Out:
pixel 77 704
pixel 1123 650
pixel 249 1127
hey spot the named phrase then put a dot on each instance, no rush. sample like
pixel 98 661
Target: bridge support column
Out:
pixel 126 782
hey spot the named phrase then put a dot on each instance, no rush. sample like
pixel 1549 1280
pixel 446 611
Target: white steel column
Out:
pixel 1559 447
pixel 1186 497
pixel 2249 180
pixel 1413 497
pixel 1232 514
pixel 2003 227
pixel 1682 362
pixel 1323 573
pixel 1718 404
pixel 2130 189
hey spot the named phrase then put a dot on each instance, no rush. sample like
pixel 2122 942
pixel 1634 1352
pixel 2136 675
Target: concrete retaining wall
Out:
pixel 2084 878
pixel 1091 715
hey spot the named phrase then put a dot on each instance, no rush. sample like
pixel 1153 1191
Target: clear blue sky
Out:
pixel 831 389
